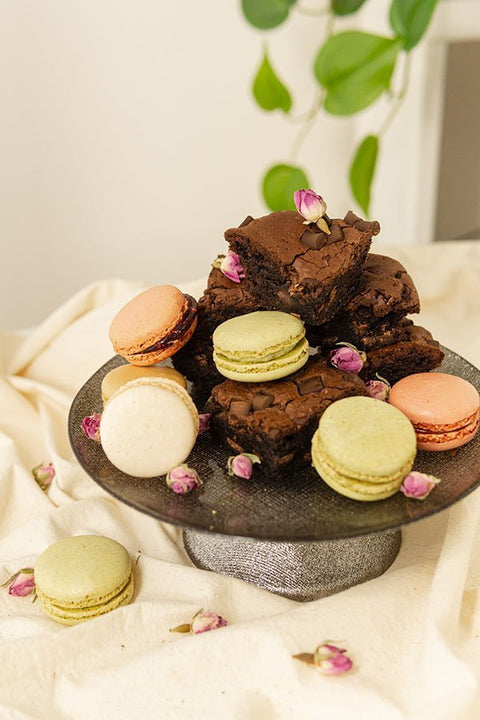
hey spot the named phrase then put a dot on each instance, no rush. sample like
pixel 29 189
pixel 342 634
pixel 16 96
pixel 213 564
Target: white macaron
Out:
pixel 149 426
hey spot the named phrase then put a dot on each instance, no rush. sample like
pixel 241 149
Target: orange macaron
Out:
pixel 443 409
pixel 154 325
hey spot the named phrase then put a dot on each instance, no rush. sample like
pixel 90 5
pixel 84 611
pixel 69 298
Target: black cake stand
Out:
pixel 291 535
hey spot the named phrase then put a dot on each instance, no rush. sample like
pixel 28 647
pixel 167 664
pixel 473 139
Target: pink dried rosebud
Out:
pixel 418 485
pixel 205 620
pixel 22 583
pixel 312 207
pixel 43 474
pixel 242 465
pixel 378 389
pixel 332 660
pixel 91 426
pixel 183 479
pixel 203 422
pixel 348 358
pixel 231 267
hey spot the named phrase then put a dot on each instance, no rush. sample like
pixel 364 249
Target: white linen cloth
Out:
pixel 413 633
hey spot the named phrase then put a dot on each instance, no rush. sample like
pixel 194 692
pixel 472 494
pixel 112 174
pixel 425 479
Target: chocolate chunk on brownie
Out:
pixel 418 352
pixel 299 268
pixel 386 293
pixel 276 420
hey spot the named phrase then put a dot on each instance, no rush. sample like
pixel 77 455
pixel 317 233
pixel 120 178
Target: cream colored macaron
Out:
pixel 119 376
pixel 149 426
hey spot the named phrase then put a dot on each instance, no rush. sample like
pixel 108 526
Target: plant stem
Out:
pixel 397 99
pixel 312 11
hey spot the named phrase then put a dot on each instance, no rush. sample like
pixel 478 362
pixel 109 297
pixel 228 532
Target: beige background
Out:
pixel 129 141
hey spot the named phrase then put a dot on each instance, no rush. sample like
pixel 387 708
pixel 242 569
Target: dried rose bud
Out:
pixel 203 422
pixel 312 207
pixel 331 660
pixel 22 583
pixel 204 621
pixel 242 465
pixel 232 268
pixel 91 426
pixel 378 389
pixel 182 479
pixel 418 485
pixel 348 358
pixel 43 475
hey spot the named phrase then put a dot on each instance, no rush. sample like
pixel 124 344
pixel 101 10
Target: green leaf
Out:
pixel 280 183
pixel 362 171
pixel 410 19
pixel 346 7
pixel 266 14
pixel 268 90
pixel 355 68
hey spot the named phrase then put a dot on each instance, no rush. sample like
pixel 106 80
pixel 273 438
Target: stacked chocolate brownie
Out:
pixel 341 292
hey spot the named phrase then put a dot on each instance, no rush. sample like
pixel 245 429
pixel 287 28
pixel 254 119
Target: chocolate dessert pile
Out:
pixel 343 293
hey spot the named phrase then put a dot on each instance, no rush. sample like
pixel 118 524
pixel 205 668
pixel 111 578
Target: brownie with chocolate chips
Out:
pixel 416 352
pixel 276 420
pixel 371 318
pixel 296 267
pixel 221 300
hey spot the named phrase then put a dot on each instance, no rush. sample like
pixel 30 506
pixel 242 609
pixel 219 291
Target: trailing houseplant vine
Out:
pixel 352 70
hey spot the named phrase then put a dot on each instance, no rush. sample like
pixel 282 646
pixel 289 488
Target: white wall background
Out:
pixel 129 141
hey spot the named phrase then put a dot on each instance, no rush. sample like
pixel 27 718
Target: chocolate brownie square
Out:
pixel 386 293
pixel 417 352
pixel 276 420
pixel 224 299
pixel 299 268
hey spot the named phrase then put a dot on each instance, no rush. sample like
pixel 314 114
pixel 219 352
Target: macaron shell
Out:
pixel 367 438
pixel 435 400
pixel 145 318
pixel 450 440
pixel 263 371
pixel 149 426
pixel 152 357
pixel 82 571
pixel 72 615
pixel 119 376
pixel 258 336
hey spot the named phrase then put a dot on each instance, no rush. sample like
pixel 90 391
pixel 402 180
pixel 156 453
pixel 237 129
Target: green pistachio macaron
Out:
pixel 82 577
pixel 260 346
pixel 363 448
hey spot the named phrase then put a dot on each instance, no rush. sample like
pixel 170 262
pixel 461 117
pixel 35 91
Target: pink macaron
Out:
pixel 442 408
pixel 154 325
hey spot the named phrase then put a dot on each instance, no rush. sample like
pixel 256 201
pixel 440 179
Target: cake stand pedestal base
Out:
pixel 298 570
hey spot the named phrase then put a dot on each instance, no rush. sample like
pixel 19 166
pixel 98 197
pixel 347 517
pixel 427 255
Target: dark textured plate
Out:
pixel 300 507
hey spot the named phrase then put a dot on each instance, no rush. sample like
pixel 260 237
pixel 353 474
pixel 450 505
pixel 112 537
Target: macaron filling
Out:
pixel 189 313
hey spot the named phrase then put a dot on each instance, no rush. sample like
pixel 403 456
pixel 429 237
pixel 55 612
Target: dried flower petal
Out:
pixel 22 583
pixel 182 479
pixel 418 485
pixel 328 658
pixel 202 621
pixel 43 475
pixel 348 358
pixel 204 422
pixel 378 389
pixel 230 266
pixel 312 207
pixel 91 426
pixel 242 465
